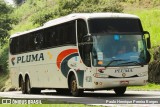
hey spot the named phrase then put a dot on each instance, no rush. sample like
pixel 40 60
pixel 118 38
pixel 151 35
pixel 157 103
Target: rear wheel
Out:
pixel 73 87
pixel 22 85
pixel 120 90
pixel 30 90
pixel 28 86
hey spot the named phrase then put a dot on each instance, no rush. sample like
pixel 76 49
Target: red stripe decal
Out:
pixel 64 54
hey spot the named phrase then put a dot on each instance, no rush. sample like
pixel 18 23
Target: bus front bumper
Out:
pixel 100 83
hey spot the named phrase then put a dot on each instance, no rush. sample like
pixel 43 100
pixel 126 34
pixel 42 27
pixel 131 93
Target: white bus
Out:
pixel 80 52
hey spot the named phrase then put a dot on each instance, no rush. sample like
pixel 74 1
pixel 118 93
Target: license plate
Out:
pixel 124 82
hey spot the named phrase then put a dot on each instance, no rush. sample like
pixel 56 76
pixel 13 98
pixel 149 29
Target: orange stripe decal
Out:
pixel 64 54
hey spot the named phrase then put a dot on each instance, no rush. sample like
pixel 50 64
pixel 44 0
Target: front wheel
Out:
pixel 120 90
pixel 73 87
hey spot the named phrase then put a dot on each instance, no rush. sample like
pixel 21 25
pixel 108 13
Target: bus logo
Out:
pixel 124 74
pixel 27 58
pixel 124 70
pixel 12 60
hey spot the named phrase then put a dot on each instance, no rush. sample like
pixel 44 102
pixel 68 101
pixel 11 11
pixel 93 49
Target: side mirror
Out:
pixel 148 43
pixel 148 39
pixel 88 43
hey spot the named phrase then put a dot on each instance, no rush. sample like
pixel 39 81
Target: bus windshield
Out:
pixel 114 25
pixel 118 50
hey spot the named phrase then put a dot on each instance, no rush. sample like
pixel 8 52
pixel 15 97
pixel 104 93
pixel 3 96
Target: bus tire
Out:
pixel 120 90
pixel 28 86
pixel 73 87
pixel 22 85
pixel 30 90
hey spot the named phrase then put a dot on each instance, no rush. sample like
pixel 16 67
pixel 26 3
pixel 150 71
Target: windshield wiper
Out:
pixel 135 62
pixel 116 60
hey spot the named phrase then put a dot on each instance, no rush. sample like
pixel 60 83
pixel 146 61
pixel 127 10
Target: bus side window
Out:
pixel 31 45
pixel 22 41
pixel 50 37
pixel 38 40
pixel 81 29
pixel 14 45
pixel 71 30
pixel 61 34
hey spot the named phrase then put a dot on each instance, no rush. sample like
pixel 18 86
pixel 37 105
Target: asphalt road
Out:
pixel 107 98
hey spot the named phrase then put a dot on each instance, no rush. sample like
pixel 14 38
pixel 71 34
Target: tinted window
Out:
pixel 81 29
pixel 58 35
pixel 14 45
pixel 115 25
pixel 81 32
pixel 50 37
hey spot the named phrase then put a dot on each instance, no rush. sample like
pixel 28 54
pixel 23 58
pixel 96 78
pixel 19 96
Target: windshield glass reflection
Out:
pixel 117 50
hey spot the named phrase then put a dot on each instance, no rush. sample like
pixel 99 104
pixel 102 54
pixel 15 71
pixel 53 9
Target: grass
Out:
pixel 148 87
pixel 150 19
pixel 48 105
pixel 45 103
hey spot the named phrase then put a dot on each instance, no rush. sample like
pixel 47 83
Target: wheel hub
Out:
pixel 74 85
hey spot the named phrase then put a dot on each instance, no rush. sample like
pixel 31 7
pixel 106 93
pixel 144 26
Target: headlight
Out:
pixel 143 74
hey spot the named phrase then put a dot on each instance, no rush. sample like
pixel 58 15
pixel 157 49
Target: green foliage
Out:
pixel 150 19
pixel 54 104
pixel 18 2
pixel 148 87
pixel 4 58
pixel 40 11
pixel 5 22
pixel 156 3
pixel 42 16
pixel 66 7
pixel 99 6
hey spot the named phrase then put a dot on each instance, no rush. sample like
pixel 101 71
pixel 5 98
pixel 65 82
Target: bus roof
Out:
pixel 74 16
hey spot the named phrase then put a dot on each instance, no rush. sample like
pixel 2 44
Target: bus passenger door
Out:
pixel 84 52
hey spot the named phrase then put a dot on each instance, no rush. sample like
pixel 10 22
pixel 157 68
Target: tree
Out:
pixel 19 2
pixel 5 22
pixel 65 7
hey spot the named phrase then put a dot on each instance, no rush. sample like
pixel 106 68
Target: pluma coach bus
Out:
pixel 79 52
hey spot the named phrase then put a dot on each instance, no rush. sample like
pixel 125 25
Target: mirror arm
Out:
pixel 148 39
